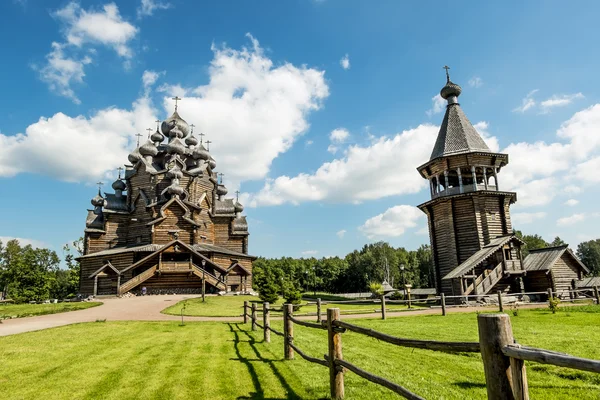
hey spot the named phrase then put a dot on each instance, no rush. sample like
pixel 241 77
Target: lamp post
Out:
pixel 203 279
pixel 403 279
pixel 314 280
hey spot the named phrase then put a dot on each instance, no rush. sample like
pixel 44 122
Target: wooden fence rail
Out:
pixel 503 360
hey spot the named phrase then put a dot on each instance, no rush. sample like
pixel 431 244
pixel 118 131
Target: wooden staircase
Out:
pixel 136 280
pixel 210 278
pixel 486 281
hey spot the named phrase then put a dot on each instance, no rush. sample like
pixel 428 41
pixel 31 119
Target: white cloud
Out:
pixel 62 71
pixel 246 136
pixel 24 242
pixel 105 27
pixel 149 78
pixel 482 128
pixel 339 135
pixel 572 189
pixel 475 82
pixel 527 102
pixel 570 220
pixel 341 233
pixel 147 7
pixel 332 149
pixel 345 62
pixel 587 172
pixel 308 143
pixel 309 252
pixel 384 168
pixel 392 223
pixel 437 105
pixel 571 202
pixel 94 145
pixel 559 101
pixel 526 218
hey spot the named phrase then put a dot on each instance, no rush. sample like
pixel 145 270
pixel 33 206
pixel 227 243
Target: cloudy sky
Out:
pixel 319 111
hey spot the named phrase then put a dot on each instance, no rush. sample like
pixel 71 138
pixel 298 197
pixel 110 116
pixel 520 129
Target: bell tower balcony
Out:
pixel 463 180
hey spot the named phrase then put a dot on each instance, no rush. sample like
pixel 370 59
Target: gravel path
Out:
pixel 148 308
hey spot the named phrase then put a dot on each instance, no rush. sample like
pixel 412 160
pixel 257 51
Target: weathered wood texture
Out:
pixel 334 341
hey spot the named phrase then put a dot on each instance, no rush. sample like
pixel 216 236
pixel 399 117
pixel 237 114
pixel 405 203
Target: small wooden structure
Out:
pixel 168 226
pixel 556 268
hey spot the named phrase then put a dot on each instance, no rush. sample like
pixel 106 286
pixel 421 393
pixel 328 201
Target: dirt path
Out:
pixel 148 308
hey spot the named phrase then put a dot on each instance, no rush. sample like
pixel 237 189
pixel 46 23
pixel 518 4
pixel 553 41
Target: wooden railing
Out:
pixel 503 360
pixel 136 280
pixel 490 280
pixel 208 277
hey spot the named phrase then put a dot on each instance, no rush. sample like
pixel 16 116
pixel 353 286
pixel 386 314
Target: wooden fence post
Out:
pixel 334 340
pixel 245 312
pixel 253 316
pixel 495 332
pixel 500 305
pixel 443 304
pixel 288 331
pixel 382 307
pixel 266 322
pixel 408 295
pixel 319 310
pixel 597 293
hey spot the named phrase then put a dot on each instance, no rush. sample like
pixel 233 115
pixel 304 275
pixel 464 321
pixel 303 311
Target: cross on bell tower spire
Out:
pixel 176 100
pixel 447 74
pixel 138 138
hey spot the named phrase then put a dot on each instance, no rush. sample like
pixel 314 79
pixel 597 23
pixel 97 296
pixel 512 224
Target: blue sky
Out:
pixel 319 111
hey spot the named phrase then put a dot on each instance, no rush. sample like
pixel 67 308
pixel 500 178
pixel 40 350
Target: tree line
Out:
pixel 35 274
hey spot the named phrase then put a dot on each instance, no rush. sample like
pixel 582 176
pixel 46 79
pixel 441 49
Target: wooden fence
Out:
pixel 503 359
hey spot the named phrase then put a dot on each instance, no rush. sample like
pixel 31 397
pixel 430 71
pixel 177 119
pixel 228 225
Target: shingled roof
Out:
pixel 544 259
pixel 457 135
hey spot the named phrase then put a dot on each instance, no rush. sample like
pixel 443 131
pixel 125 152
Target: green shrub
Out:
pixel 376 288
pixel 553 304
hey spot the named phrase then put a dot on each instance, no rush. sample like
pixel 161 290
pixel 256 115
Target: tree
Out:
pixel 558 242
pixel 532 242
pixel 589 254
pixel 265 280
pixel 65 282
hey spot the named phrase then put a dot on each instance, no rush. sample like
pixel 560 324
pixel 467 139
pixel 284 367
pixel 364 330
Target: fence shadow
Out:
pixel 242 337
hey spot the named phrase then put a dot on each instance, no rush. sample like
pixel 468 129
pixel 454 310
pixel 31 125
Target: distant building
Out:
pixel 167 227
pixel 556 268
pixel 474 248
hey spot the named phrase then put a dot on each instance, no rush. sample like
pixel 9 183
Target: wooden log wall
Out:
pixel 562 275
pixel 173 222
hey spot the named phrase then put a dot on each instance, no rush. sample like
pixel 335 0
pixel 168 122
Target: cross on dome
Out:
pixel 192 126
pixel 208 142
pixel 447 74
pixel 99 186
pixel 138 138
pixel 220 176
pixel 119 169
pixel 157 123
pixel 201 135
pixel 176 100
pixel 149 132
pixel 237 195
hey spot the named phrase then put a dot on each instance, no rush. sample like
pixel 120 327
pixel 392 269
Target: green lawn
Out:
pixel 162 360
pixel 232 306
pixel 30 310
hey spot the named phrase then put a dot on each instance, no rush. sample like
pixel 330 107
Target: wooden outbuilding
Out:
pixel 168 227
pixel 556 268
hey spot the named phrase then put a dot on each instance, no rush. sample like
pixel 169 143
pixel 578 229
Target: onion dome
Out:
pixel 176 146
pixel 134 156
pixel 238 207
pixel 157 137
pixel 148 149
pixel 200 153
pixel 221 190
pixel 212 163
pixel 175 122
pixel 119 185
pixel 98 200
pixel 191 140
pixel 451 89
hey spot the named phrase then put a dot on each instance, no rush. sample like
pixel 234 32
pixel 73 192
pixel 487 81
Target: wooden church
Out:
pixel 474 249
pixel 168 227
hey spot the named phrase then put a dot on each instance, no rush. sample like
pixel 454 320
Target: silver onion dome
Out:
pixel 175 121
pixel 176 146
pixel 174 173
pixel 157 137
pixel 119 185
pixel 451 89
pixel 174 188
pixel 200 153
pixel 134 156
pixel 238 207
pixel 148 149
pixel 191 140
pixel 212 163
pixel 98 200
pixel 221 190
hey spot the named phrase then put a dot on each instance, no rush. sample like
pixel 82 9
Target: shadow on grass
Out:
pixel 259 391
pixel 469 385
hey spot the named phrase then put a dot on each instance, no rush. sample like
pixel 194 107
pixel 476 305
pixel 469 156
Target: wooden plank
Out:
pixel 309 358
pixel 462 347
pixel 334 343
pixel 551 357
pixel 495 332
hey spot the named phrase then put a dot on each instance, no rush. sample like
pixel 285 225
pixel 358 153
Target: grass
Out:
pixel 29 310
pixel 232 306
pixel 162 360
